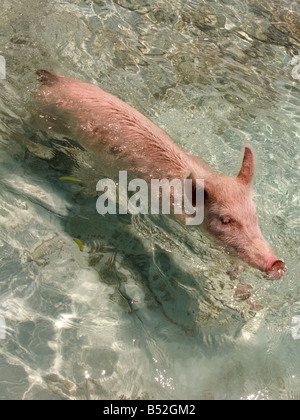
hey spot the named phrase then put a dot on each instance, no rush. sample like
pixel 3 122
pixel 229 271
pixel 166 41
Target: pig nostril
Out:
pixel 277 270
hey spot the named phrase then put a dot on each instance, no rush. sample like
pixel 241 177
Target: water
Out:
pixel 147 309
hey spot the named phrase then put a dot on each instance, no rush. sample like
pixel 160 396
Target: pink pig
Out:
pixel 111 127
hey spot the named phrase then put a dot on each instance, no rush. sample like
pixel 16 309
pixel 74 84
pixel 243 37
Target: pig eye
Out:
pixel 226 220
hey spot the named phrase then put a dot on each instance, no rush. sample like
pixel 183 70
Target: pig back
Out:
pixel 116 130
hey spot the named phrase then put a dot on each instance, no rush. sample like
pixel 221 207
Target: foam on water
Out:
pixel 147 309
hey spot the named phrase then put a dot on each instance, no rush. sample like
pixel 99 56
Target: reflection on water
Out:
pixel 147 309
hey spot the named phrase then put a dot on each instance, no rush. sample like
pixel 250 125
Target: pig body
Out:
pixel 113 129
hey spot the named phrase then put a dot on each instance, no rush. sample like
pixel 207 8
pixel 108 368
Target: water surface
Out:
pixel 147 310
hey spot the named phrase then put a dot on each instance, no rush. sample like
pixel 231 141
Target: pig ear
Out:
pixel 246 173
pixel 194 188
pixel 208 190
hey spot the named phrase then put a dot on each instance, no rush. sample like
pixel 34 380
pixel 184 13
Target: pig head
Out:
pixel 230 217
pixel 114 129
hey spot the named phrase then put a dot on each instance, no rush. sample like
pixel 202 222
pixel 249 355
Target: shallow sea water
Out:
pixel 147 309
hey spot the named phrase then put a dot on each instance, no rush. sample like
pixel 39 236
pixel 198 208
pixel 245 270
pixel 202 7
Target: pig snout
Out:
pixel 277 270
pixel 261 256
pixel 257 253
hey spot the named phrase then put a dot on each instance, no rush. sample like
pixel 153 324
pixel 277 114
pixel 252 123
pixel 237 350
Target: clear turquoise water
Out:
pixel 147 310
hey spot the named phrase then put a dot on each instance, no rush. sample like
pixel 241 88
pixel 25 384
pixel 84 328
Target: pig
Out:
pixel 115 130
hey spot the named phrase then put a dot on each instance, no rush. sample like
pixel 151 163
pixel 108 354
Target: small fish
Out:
pixel 79 243
pixel 68 178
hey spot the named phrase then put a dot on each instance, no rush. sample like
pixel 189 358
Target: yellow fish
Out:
pixel 68 178
pixel 79 243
